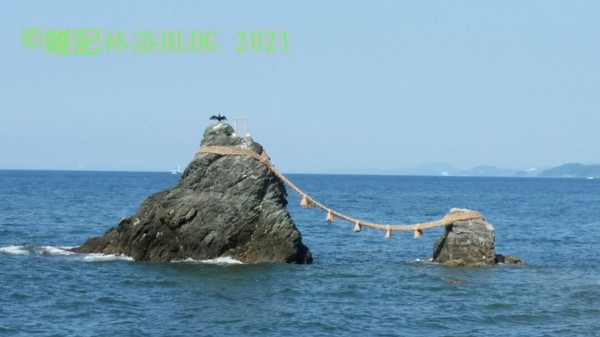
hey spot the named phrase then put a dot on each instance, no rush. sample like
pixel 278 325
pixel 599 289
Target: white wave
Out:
pixel 14 250
pixel 50 250
pixel 106 257
pixel 223 260
pixel 459 210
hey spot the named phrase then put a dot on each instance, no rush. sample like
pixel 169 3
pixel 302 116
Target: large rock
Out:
pixel 466 243
pixel 223 206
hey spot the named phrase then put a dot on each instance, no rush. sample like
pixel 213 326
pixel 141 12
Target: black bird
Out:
pixel 219 118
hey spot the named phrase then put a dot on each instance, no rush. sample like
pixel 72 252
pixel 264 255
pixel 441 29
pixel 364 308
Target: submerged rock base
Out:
pixel 223 206
pixel 510 259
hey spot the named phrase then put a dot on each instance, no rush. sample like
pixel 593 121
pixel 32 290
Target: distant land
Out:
pixel 572 170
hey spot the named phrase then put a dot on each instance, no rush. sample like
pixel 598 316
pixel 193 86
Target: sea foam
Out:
pixel 42 250
pixel 50 250
pixel 106 257
pixel 224 260
pixel 64 251
pixel 14 250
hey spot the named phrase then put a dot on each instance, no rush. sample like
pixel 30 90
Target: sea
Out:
pixel 360 284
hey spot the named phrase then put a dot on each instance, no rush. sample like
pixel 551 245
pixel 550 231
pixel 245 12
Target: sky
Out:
pixel 362 86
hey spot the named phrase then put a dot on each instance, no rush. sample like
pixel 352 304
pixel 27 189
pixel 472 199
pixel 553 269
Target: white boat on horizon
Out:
pixel 178 171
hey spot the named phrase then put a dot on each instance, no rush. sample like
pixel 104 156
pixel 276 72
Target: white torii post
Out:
pixel 241 121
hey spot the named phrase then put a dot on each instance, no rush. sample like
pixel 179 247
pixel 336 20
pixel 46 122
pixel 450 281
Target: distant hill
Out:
pixel 434 169
pixel 530 172
pixel 487 171
pixel 573 170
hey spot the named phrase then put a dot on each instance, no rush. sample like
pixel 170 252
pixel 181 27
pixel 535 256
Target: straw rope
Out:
pixel 307 201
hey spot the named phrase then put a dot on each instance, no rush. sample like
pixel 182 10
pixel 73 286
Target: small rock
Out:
pixel 510 259
pixel 466 243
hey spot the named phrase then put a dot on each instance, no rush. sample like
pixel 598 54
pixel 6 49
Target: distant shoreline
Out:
pixel 365 174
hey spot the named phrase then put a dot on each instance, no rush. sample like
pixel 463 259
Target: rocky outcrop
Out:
pixel 466 243
pixel 469 243
pixel 223 206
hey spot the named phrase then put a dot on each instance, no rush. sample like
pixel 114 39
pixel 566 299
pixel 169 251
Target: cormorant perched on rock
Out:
pixel 219 118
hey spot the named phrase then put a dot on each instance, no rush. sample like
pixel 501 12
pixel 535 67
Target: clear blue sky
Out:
pixel 364 85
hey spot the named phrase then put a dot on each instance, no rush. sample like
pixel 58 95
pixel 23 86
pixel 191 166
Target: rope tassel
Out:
pixel 388 233
pixel 418 233
pixel 357 227
pixel 305 203
pixel 329 217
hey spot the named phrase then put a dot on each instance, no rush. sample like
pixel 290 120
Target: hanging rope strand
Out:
pixel 307 201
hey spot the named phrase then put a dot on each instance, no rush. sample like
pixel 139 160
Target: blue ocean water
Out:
pixel 359 284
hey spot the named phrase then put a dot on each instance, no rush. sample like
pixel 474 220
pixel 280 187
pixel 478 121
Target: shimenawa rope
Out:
pixel 307 201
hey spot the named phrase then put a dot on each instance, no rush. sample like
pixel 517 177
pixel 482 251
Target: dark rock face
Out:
pixel 223 206
pixel 466 243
